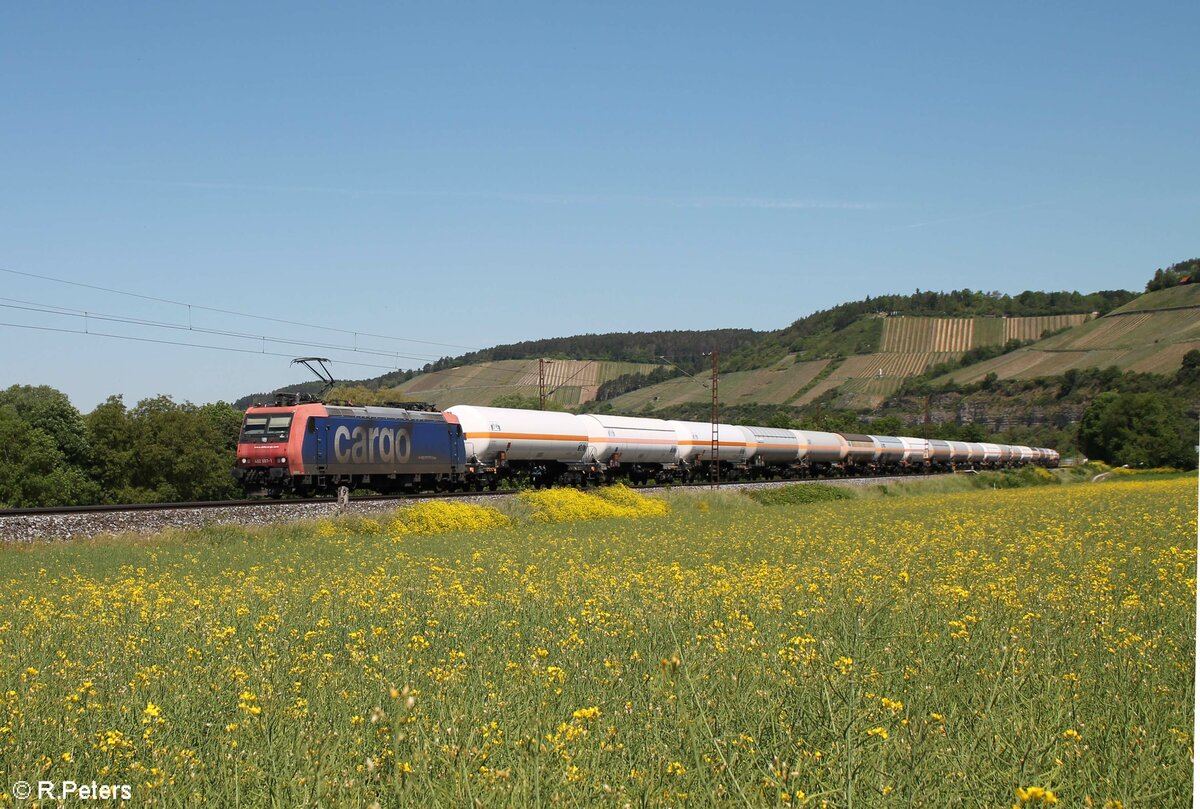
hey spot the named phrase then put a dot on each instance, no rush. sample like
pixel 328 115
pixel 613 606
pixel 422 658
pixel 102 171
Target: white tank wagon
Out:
pixel 542 445
pixel 863 452
pixel 991 454
pixel 521 435
pixel 773 447
pixel 960 452
pixel 695 444
pixel 941 453
pixel 918 452
pixel 820 449
pixel 889 450
pixel 628 439
pixel 975 452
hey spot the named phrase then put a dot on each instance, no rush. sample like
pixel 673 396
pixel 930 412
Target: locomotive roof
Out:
pixel 371 412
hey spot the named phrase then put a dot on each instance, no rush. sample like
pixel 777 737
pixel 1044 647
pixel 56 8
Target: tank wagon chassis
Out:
pixel 308 448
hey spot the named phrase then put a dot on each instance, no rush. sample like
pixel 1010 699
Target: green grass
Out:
pixel 799 494
pixel 926 650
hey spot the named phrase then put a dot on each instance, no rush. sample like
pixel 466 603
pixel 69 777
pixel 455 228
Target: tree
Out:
pixel 1189 370
pixel 1139 429
pixel 50 411
pixel 34 471
pixel 516 400
pixel 1174 275
pixel 889 425
pixel 110 434
pixel 181 452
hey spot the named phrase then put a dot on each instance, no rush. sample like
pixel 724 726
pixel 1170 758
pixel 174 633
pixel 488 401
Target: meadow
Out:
pixel 1023 647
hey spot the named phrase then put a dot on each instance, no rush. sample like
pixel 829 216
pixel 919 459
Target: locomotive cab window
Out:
pixel 266 427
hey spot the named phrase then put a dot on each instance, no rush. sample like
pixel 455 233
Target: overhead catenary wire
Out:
pixel 61 311
pixel 264 352
pixel 232 312
pixel 578 371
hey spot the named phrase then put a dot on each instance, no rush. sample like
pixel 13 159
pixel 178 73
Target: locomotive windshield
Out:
pixel 260 428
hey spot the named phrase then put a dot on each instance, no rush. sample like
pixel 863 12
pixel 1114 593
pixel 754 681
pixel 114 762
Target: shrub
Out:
pixel 439 517
pixel 571 505
pixel 800 494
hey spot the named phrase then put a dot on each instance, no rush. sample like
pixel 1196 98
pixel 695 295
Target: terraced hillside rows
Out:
pixel 1032 328
pixel 909 334
pixel 870 378
pixel 573 382
pixel 950 334
pixel 776 384
pixel 1150 334
pixel 1129 337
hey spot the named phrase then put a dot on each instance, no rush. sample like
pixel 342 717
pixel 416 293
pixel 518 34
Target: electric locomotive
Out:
pixel 308 448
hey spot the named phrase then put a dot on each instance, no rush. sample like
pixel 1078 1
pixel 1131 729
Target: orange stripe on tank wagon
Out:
pixel 528 436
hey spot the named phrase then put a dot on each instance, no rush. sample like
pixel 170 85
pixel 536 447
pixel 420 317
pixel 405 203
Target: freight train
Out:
pixel 310 448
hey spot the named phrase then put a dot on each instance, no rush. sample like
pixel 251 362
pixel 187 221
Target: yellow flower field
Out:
pixel 1025 647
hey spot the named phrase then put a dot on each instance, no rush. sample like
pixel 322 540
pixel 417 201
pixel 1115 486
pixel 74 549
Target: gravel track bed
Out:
pixel 43 527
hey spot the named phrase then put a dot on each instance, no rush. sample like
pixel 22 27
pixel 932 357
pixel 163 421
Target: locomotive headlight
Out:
pixel 245 460
pixel 281 459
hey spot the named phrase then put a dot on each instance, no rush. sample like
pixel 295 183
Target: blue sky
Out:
pixel 474 174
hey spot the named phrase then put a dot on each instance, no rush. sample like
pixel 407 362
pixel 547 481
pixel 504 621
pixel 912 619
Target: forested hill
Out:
pixel 746 348
pixel 855 328
pixel 683 347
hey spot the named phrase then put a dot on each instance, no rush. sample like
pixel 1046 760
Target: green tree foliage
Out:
pixel 685 348
pixel 890 425
pixel 111 431
pixel 163 451
pixel 362 395
pixel 1176 274
pixel 516 400
pixel 34 471
pixel 1140 429
pixel 625 383
pixel 50 411
pixel 1189 370
pixel 180 451
pixel 854 328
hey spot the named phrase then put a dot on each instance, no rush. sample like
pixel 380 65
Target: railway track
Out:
pixel 205 504
pixel 375 498
pixel 74 522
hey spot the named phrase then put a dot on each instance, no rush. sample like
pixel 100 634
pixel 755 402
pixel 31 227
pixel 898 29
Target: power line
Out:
pixel 177 343
pixel 191 306
pixel 563 384
pixel 693 376
pixel 62 311
pixel 423 391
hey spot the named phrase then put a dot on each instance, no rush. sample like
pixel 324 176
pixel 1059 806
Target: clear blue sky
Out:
pixel 476 174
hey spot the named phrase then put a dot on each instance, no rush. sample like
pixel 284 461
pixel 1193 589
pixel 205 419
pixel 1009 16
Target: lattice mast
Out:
pixel 541 383
pixel 716 418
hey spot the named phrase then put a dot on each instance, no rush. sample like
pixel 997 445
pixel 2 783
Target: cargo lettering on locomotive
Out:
pixel 371 445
